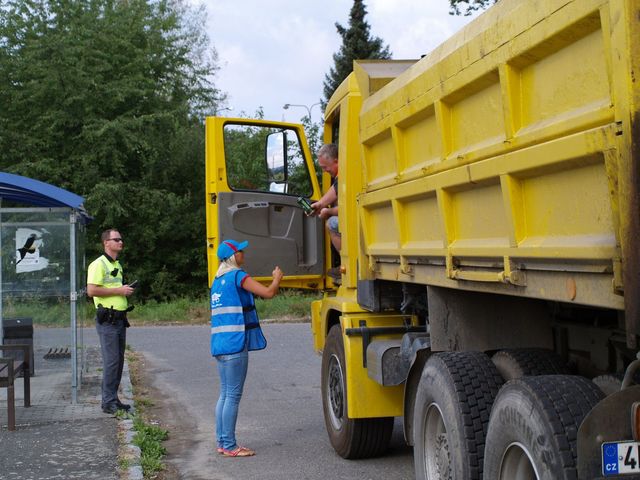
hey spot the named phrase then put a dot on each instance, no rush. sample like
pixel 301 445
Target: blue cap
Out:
pixel 229 247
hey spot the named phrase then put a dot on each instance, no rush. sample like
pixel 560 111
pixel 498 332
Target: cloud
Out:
pixel 278 52
pixel 412 28
pixel 276 55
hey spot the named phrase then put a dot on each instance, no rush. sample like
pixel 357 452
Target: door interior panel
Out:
pixel 278 231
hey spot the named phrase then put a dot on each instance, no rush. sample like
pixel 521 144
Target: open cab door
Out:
pixel 255 172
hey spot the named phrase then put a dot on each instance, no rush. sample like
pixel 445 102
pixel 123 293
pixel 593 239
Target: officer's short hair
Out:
pixel 106 235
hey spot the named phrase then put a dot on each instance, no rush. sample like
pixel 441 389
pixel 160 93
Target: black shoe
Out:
pixel 110 409
pixel 122 406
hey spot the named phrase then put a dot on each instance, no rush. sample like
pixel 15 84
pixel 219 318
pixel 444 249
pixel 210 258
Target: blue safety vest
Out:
pixel 234 320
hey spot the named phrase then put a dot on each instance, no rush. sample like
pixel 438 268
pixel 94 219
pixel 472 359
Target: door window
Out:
pixel 266 159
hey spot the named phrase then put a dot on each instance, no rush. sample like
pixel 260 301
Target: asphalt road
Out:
pixel 280 413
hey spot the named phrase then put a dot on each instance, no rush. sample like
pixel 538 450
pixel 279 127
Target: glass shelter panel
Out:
pixel 42 280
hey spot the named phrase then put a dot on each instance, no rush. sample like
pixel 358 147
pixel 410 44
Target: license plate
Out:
pixel 620 458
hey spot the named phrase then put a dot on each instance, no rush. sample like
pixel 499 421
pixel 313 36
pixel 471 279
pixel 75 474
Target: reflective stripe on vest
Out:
pixel 227 328
pixel 225 310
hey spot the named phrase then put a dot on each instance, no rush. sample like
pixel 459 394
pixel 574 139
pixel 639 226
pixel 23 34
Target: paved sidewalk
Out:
pixel 55 439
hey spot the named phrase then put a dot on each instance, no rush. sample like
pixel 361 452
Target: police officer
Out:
pixel 104 284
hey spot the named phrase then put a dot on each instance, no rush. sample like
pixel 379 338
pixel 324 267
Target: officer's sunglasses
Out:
pixel 116 239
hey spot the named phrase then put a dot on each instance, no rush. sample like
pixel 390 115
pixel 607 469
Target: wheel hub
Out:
pixel 335 392
pixel 443 458
pixel 437 455
pixel 517 464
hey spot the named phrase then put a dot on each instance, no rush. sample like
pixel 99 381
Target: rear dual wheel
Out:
pixel 453 404
pixel 533 428
pixel 532 431
pixel 523 362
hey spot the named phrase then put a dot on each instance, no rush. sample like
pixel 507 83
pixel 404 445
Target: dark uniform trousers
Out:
pixel 113 339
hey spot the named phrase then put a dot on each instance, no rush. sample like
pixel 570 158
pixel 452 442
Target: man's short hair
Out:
pixel 106 235
pixel 329 150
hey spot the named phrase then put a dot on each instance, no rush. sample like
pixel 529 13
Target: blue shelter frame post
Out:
pixel 73 307
pixel 1 289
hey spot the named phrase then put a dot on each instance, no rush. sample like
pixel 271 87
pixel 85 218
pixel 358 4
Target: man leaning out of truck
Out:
pixel 327 207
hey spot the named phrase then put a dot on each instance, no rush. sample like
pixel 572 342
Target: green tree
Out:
pixel 245 156
pixel 105 98
pixel 467 7
pixel 357 44
pixel 313 132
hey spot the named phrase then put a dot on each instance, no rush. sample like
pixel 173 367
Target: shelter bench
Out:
pixel 10 369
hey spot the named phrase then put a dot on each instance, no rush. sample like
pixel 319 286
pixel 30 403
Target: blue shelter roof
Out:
pixel 33 192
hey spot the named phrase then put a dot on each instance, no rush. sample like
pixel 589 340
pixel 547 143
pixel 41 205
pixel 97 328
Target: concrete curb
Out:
pixel 129 451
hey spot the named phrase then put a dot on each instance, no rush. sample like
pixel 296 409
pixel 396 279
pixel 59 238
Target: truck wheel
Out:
pixel 534 425
pixel 520 362
pixel 452 408
pixel 350 438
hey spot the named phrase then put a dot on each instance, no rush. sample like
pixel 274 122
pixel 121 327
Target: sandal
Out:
pixel 238 452
pixel 220 450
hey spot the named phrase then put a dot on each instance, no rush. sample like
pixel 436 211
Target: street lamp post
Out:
pixel 218 110
pixel 289 105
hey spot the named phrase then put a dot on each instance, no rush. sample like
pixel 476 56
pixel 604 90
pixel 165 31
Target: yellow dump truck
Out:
pixel 490 218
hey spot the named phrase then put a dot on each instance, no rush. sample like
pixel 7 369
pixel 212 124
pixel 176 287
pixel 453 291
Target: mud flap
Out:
pixel 608 421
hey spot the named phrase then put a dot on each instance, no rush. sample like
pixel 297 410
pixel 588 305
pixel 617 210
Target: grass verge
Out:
pixel 149 438
pixel 149 435
pixel 288 305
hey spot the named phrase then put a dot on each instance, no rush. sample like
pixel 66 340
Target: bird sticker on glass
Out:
pixel 28 245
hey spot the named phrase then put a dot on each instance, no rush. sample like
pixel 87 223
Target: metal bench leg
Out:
pixel 11 407
pixel 27 388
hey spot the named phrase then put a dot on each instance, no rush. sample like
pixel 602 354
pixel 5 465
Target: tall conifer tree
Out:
pixel 467 7
pixel 357 44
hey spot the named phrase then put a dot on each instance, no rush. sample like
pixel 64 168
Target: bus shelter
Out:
pixel 42 274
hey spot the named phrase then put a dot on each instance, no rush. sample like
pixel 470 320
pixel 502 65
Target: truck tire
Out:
pixel 520 362
pixel 350 438
pixel 452 409
pixel 534 426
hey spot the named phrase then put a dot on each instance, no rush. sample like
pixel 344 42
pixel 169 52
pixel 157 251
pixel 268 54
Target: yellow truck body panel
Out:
pixel 495 162
pixel 388 399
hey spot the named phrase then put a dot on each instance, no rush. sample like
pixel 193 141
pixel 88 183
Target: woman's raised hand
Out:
pixel 277 274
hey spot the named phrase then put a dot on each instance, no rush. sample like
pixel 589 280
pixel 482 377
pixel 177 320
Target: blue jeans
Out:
pixel 332 224
pixel 233 371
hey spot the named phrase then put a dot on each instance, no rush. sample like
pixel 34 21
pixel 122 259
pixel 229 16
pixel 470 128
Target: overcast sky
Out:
pixel 273 52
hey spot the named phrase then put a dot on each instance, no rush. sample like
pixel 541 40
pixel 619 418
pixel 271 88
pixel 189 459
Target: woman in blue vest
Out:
pixel 234 331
